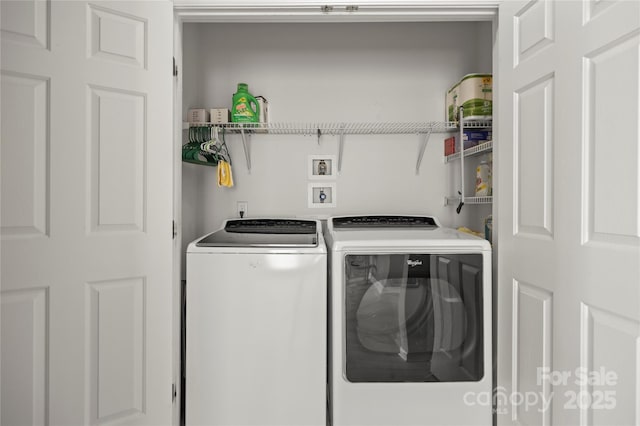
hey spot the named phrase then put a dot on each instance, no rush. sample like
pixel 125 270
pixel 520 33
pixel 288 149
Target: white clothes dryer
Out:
pixel 410 328
pixel 256 321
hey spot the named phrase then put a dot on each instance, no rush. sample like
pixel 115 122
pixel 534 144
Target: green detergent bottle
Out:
pixel 245 106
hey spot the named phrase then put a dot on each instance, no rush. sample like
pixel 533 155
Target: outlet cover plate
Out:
pixel 315 189
pixel 322 167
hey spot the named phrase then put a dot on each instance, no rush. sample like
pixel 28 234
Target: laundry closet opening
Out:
pixel 371 72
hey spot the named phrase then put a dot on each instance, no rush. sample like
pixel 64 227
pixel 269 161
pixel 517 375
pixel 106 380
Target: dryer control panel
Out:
pixel 384 221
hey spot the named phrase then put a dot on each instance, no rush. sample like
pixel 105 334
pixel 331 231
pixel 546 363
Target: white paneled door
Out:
pixel 569 213
pixel 86 161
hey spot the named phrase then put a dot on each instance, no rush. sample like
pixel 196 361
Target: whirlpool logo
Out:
pixel 413 263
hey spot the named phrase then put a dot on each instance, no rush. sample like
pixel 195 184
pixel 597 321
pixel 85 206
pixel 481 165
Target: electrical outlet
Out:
pixel 243 207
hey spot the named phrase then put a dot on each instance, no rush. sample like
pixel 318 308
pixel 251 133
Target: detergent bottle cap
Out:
pixel 243 87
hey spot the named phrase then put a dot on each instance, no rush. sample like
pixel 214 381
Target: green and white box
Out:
pixel 451 112
pixel 475 94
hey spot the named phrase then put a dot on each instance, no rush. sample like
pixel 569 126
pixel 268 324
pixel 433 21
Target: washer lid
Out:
pixel 263 233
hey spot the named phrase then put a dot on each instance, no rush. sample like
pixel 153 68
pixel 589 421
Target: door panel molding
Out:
pixel 25 149
pixel 534 109
pixel 532 351
pixel 25 362
pixel 118 37
pixel 26 22
pixel 117 349
pixel 611 196
pixel 117 165
pixel 610 349
pixel 534 29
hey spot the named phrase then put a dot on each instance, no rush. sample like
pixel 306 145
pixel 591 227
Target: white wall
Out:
pixel 358 72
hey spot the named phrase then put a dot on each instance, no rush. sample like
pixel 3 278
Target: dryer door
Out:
pixel 413 317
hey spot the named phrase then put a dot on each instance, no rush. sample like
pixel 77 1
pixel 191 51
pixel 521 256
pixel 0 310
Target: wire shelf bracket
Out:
pixel 340 148
pixel 247 153
pixel 424 139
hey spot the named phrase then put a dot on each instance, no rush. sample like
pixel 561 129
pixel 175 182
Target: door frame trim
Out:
pixel 420 11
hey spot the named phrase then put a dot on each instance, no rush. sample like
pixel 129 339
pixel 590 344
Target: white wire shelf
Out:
pixel 318 129
pixel 333 129
pixel 454 201
pixel 344 128
pixel 474 150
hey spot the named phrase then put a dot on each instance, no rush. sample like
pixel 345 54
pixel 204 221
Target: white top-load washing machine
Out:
pixel 256 320
pixel 410 333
